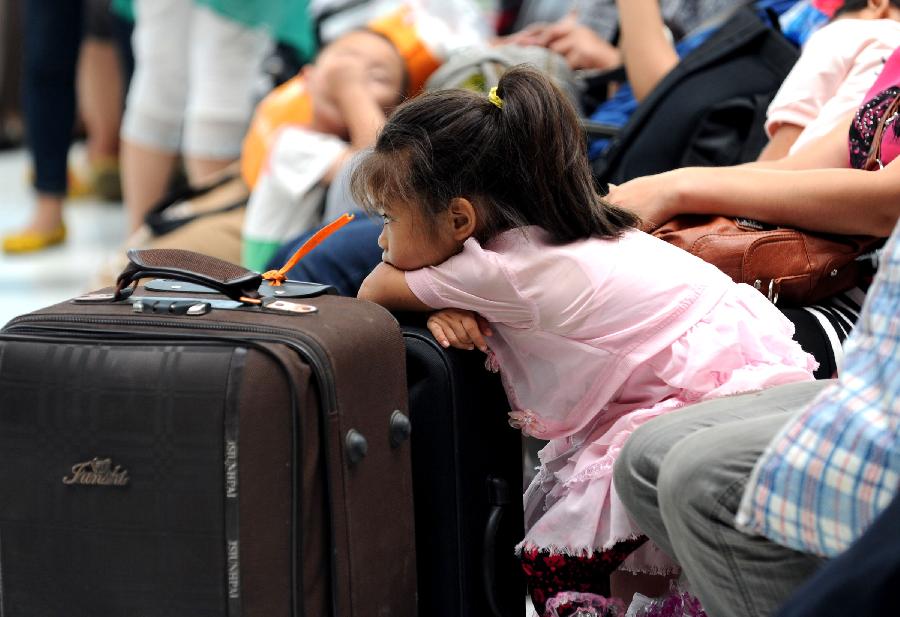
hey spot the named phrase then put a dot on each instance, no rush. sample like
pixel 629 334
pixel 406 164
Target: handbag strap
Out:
pixel 873 161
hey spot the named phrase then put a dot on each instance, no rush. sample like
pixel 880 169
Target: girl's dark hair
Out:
pixel 851 6
pixel 523 163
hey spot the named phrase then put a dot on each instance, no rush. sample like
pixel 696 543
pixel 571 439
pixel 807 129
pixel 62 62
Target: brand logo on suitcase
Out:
pixel 97 472
pixel 231 470
pixel 234 570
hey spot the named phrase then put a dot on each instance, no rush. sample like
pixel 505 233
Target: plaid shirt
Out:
pixel 836 465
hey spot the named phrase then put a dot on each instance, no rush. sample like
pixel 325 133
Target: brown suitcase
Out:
pixel 181 454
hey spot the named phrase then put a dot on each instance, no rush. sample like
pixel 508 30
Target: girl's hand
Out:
pixel 655 199
pixel 459 328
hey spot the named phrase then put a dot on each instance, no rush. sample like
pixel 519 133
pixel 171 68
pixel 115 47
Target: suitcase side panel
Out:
pixel 461 441
pixel 274 502
pixel 271 472
pixel 102 447
pixel 372 511
pixel 255 578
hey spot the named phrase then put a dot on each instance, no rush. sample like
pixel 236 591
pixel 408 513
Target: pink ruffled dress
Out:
pixel 596 337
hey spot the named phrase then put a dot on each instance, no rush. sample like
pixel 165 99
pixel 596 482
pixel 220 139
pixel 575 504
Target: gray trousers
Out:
pixel 682 477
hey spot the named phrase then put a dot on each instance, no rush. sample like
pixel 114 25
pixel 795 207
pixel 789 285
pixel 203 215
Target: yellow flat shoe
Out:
pixel 79 186
pixel 105 181
pixel 30 241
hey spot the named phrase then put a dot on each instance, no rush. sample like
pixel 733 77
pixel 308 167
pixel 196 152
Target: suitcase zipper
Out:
pixel 307 347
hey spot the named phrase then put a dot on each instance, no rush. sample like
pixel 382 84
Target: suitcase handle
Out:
pixel 226 278
pixel 498 497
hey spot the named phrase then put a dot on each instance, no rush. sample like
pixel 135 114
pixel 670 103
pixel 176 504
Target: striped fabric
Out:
pixel 836 466
pixel 836 316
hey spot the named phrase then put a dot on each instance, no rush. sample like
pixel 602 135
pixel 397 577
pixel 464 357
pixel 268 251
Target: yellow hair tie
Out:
pixel 494 98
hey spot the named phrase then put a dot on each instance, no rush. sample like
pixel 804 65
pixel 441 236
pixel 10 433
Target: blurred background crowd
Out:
pixel 225 126
pixel 184 103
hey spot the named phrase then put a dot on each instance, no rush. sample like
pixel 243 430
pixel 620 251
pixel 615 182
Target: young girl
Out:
pixel 491 218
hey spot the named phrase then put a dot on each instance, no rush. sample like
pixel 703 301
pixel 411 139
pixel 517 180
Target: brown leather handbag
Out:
pixel 790 266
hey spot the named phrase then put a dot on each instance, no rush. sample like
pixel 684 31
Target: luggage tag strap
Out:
pixel 277 277
pixel 230 280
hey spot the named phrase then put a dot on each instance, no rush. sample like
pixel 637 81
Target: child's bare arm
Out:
pixel 647 52
pixel 459 328
pixel 386 285
pixel 362 114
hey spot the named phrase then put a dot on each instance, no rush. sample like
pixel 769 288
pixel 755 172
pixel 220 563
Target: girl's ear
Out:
pixel 463 219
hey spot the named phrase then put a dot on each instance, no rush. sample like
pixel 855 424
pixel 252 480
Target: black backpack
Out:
pixel 710 109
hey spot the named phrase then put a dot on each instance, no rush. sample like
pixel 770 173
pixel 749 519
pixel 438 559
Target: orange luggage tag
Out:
pixel 277 277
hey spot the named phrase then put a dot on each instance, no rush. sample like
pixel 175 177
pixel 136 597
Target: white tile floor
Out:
pixel 27 282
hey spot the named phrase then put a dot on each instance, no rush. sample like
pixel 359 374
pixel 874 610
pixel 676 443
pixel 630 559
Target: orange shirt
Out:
pixel 288 104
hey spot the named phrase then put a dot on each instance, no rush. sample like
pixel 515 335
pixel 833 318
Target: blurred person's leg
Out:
pixel 217 235
pixel 11 122
pixel 154 111
pixel 52 39
pixel 225 67
pixel 122 31
pixel 100 98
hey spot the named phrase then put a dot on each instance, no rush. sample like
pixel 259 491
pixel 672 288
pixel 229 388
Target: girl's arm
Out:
pixel 386 285
pixel 841 201
pixel 823 66
pixel 828 151
pixel 783 137
pixel 805 190
pixel 647 52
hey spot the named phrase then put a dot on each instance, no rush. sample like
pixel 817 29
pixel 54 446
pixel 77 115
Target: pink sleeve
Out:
pixel 475 280
pixel 815 78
